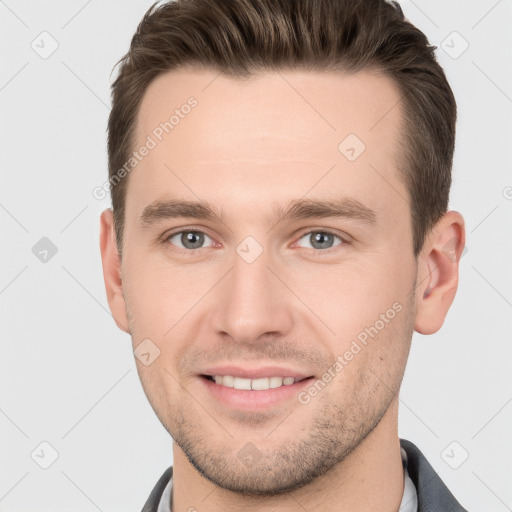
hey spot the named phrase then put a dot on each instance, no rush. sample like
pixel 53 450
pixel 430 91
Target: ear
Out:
pixel 438 272
pixel 112 270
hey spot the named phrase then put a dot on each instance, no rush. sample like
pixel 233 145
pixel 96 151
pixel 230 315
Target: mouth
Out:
pixel 258 384
pixel 250 388
pixel 251 391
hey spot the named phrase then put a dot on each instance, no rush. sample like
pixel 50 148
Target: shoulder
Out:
pixel 154 498
pixel 433 495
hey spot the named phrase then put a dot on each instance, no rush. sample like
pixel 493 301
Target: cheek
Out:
pixel 159 295
pixel 353 295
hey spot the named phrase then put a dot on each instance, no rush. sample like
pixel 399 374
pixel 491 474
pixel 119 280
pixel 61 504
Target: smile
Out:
pixel 260 384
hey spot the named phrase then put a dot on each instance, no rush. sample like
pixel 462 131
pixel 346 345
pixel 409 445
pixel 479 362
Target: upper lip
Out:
pixel 255 373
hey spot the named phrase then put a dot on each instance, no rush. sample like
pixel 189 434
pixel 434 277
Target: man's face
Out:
pixel 261 294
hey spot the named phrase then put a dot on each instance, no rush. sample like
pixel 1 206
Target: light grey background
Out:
pixel 68 375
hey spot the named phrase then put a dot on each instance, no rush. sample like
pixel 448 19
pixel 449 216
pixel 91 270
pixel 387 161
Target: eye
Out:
pixel 320 240
pixel 190 239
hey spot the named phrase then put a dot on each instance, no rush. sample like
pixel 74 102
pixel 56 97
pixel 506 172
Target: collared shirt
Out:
pixel 409 498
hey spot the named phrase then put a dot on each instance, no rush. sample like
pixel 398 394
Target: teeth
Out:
pixel 260 384
pixel 242 383
pixel 275 382
pixel 227 381
pixel 255 384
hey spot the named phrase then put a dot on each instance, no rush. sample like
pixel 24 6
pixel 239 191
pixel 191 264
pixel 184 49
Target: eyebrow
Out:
pixel 299 209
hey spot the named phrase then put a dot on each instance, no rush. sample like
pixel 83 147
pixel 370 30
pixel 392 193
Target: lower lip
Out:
pixel 251 400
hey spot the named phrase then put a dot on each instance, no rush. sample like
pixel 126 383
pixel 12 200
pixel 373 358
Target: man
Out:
pixel 280 175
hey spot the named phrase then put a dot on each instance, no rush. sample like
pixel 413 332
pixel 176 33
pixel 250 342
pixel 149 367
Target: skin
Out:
pixel 247 146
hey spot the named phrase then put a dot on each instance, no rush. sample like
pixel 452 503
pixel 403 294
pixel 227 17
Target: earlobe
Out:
pixel 438 272
pixel 111 262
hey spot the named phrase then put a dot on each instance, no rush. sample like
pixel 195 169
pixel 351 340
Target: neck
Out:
pixel 369 478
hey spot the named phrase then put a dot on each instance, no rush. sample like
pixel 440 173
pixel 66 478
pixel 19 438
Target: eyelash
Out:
pixel 166 237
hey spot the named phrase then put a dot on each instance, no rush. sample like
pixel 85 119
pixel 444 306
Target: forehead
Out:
pixel 287 133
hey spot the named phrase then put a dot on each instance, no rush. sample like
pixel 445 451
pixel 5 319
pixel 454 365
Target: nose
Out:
pixel 252 302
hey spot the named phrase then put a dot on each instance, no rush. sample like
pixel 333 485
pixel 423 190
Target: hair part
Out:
pixel 243 37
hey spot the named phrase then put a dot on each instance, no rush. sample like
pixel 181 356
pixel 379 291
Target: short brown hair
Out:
pixel 241 37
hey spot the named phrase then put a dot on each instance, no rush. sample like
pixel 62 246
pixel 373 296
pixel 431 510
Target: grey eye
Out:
pixel 321 239
pixel 189 239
